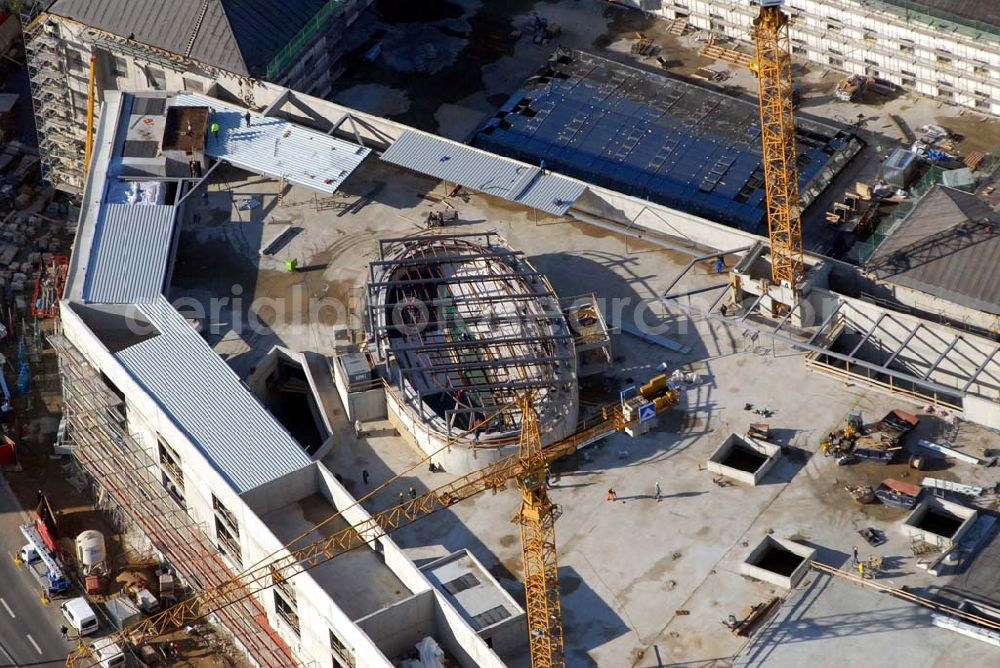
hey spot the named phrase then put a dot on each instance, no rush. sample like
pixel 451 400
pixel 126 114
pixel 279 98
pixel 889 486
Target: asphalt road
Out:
pixel 29 631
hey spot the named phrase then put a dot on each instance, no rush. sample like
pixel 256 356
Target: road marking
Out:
pixel 7 607
pixel 34 644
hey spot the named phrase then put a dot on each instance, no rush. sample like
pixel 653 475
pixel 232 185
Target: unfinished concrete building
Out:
pixel 213 46
pixel 946 49
pixel 190 456
pixel 461 325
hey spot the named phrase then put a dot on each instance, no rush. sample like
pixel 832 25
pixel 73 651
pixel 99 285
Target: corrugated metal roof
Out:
pixel 946 246
pixel 484 172
pixel 240 36
pixel 278 148
pixel 207 401
pixel 128 259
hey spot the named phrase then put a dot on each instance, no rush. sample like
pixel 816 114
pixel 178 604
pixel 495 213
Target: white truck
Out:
pixel 45 567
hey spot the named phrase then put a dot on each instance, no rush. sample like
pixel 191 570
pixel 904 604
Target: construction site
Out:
pixel 657 350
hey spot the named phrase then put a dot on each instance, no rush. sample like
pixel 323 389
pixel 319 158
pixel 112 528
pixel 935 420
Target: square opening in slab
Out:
pixel 744 458
pixel 939 522
pixel 780 562
pixel 777 559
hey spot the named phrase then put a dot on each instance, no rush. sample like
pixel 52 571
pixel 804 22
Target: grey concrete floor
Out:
pixel 629 570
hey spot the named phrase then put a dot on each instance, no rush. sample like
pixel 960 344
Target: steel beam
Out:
pixel 701 258
pixel 979 370
pixel 481 343
pixel 472 278
pixel 868 335
pixel 484 364
pixel 809 347
pixel 903 345
pixel 477 319
pixel 424 240
pixel 519 385
pixel 752 308
pixel 941 357
pixel 500 253
pixel 469 299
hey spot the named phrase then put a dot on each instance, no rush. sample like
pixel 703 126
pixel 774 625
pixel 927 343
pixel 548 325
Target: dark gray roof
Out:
pixel 948 246
pixel 240 36
pixel 961 11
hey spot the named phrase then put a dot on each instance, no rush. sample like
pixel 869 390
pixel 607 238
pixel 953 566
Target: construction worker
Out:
pixel 656 491
pixel 246 117
pixel 215 129
pixel 612 496
pixel 402 498
pixel 413 492
pixel 364 475
pixel 855 551
pixel 861 569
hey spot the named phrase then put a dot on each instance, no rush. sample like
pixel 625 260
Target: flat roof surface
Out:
pixel 947 246
pixel 358 581
pixel 276 147
pixel 648 135
pixel 471 589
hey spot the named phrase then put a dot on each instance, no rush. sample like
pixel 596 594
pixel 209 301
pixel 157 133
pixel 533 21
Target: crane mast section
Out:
pixel 777 126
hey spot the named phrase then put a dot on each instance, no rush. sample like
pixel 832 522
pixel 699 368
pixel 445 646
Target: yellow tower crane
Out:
pixel 536 517
pixel 777 132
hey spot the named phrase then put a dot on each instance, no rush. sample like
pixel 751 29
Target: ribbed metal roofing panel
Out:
pixel 483 171
pixel 206 400
pixel 552 193
pixel 277 148
pixel 128 259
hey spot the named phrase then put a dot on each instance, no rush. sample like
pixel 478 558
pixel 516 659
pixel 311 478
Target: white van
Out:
pixel 80 615
pixel 107 652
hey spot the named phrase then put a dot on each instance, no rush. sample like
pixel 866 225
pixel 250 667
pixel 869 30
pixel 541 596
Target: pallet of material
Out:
pixel 973 160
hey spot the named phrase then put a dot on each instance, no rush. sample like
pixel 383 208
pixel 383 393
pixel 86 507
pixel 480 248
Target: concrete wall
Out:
pixel 770 451
pixel 460 639
pixel 363 405
pixel 399 627
pixel 853 282
pixel 317 612
pixel 458 458
pixel 966 515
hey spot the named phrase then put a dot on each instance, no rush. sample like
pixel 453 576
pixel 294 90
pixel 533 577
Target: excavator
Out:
pixel 536 518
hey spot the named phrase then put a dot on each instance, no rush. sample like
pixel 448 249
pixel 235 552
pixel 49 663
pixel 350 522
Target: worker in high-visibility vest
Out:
pixel 215 129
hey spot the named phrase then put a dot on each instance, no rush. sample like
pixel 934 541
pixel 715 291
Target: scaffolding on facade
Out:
pixel 127 474
pixel 60 130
